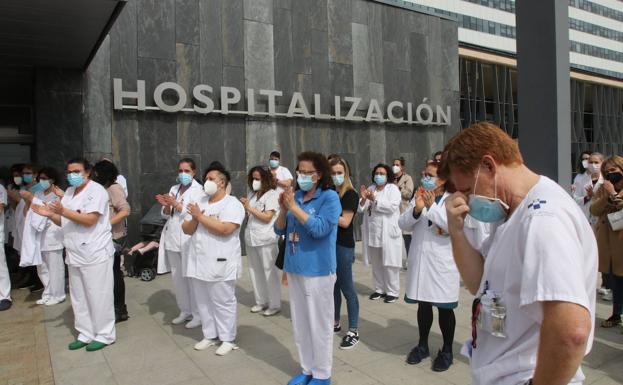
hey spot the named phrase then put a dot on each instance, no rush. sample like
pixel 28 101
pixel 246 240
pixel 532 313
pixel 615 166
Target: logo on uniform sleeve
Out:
pixel 536 204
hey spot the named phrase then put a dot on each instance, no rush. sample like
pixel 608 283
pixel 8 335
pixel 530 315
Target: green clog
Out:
pixel 95 345
pixel 77 344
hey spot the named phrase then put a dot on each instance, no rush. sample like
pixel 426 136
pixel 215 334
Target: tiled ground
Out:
pixel 150 350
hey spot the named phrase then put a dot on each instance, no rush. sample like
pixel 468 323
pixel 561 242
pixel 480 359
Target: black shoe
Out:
pixel 121 314
pixel 5 304
pixel 390 299
pixel 337 328
pixel 36 287
pixel 375 296
pixel 350 340
pixel 417 354
pixel 442 362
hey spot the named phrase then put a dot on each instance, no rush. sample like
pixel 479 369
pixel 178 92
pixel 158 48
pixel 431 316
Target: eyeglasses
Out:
pixel 306 173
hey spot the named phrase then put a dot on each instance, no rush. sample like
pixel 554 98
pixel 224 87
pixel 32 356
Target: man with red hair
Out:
pixel 534 277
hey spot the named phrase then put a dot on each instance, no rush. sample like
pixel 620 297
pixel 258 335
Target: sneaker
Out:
pixel 602 291
pixel 53 301
pixel 417 354
pixel 41 301
pixel 375 296
pixel 270 312
pixel 350 340
pixel 442 362
pixel 206 343
pixel 180 319
pixel 337 328
pixel 607 296
pixel 5 304
pixel 390 299
pixel 258 308
pixel 193 323
pixel 77 344
pixel 95 346
pixel 300 379
pixel 225 348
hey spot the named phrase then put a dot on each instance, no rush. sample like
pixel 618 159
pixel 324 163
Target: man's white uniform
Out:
pixel 545 251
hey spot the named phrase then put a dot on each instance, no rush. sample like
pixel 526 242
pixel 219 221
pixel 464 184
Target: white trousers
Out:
pixel 216 302
pixel 5 279
pixel 386 278
pixel 184 295
pixel 92 299
pixel 311 306
pixel 265 276
pixel 52 275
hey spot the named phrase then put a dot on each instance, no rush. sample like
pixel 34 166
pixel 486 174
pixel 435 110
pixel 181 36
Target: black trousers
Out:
pixel 119 283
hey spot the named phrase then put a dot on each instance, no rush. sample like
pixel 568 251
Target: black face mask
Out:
pixel 614 177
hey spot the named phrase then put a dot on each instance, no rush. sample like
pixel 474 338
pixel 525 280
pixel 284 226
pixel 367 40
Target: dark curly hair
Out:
pixel 266 177
pixel 388 170
pixel 105 173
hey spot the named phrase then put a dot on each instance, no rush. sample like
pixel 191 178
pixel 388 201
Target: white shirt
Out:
pixel 258 233
pixel 4 201
pixel 545 251
pixel 214 257
pixel 578 189
pixel 52 236
pixel 87 245
pixel 376 216
pixel 123 183
pixel 283 173
pixel 172 235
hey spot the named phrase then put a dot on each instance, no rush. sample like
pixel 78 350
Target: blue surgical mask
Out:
pixel 36 188
pixel 45 184
pixel 75 180
pixel 27 178
pixel 429 183
pixel 485 209
pixel 380 180
pixel 305 182
pixel 274 163
pixel 184 178
pixel 338 180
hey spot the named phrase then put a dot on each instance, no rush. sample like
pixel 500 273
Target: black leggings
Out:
pixel 447 324
pixel 119 283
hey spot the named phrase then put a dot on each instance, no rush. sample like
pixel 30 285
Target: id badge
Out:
pixel 492 318
pixel 293 237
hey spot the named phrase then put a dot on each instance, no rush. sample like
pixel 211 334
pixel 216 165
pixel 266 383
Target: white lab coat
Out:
pixel 432 273
pixel 32 232
pixel 386 205
pixel 172 237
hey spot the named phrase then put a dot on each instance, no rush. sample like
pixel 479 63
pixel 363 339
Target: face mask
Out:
pixel 396 169
pixel 45 184
pixel 614 177
pixel 305 182
pixel 210 187
pixel 585 164
pixel 184 178
pixel 75 180
pixel 594 168
pixel 274 163
pixel 256 185
pixel 17 180
pixel 338 180
pixel 27 178
pixel 429 183
pixel 485 209
pixel 380 180
pixel 36 188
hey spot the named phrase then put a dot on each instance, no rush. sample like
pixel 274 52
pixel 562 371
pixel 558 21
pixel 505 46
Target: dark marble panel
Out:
pixel 124 44
pixel 375 36
pixel 390 75
pixel 341 78
pixel 340 35
pixel 360 11
pixel 126 152
pixel 154 72
pixel 232 32
pixel 449 71
pixel 321 81
pixel 301 36
pixel 287 133
pixel 283 4
pixel 188 67
pixel 259 10
pixel 211 51
pixel 187 21
pixel 234 77
pixel 153 183
pixel 419 65
pixel 157 131
pixel 259 67
pixel 283 51
pixel 234 130
pixel 156 29
pixel 319 15
pixel 62 80
pixel 212 139
pixel 189 133
pixel 97 103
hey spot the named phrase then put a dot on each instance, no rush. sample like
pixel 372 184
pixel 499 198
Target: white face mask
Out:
pixel 256 185
pixel 210 187
pixel 594 168
pixel 396 169
pixel 585 163
pixel 17 180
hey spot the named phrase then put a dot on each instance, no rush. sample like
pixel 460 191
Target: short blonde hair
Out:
pixel 613 161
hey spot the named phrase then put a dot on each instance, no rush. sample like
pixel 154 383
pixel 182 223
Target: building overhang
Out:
pixel 54 33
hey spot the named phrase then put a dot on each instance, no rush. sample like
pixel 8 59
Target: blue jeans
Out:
pixel 344 283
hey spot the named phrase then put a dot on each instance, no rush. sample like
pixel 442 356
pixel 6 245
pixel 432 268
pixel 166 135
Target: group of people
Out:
pixel 598 190
pixel 516 240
